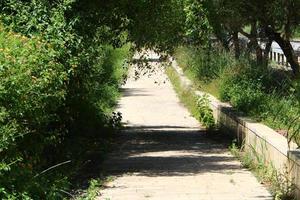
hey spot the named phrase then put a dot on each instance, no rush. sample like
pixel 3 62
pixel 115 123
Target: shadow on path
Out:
pixel 167 151
pixel 163 153
pixel 131 92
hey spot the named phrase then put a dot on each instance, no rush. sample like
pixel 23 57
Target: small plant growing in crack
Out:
pixel 205 112
pixel 280 183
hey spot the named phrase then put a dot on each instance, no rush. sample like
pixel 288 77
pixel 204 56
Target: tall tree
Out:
pixel 224 17
pixel 269 20
pixel 276 20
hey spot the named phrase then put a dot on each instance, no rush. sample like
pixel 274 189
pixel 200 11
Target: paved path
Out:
pixel 164 154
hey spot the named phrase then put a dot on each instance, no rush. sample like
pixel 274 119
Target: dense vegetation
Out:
pixel 62 62
pixel 261 92
pixel 58 90
pixel 239 71
pixel 198 107
pixel 297 33
pixel 268 21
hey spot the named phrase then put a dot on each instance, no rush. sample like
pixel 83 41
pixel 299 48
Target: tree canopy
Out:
pixel 62 62
pixel 268 20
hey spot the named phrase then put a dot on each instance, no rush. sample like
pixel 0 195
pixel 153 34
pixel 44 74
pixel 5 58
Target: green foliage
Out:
pixel 205 64
pixel 93 190
pixel 198 107
pixel 33 88
pixel 58 89
pixel 205 112
pixel 280 184
pixel 297 33
pixel 155 24
pixel 242 90
pixel 197 27
pixel 62 65
pixel 268 20
pixel 263 93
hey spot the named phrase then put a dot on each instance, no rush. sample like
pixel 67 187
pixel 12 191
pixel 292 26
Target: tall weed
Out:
pixel 264 93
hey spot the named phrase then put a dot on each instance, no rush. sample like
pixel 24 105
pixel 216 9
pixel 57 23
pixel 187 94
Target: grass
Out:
pixel 94 188
pixel 186 96
pixel 210 87
pixel 261 93
pixel 279 183
pixel 197 106
pixel 296 34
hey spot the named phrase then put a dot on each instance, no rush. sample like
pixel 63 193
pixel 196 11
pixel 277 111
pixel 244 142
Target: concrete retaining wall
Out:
pixel 257 138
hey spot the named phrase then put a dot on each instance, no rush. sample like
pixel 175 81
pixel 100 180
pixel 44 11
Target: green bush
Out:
pixel 242 96
pixel 205 113
pixel 198 106
pixel 58 90
pixel 203 64
pixel 264 93
pixel 241 91
pixel 297 33
pixel 33 88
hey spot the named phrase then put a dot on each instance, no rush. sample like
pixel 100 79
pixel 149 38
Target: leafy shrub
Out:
pixel 58 89
pixel 264 93
pixel 241 93
pixel 198 106
pixel 203 64
pixel 297 33
pixel 205 112
pixel 33 88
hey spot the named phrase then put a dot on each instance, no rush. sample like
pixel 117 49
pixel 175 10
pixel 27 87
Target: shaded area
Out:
pixel 130 92
pixel 148 60
pixel 164 153
pixel 168 151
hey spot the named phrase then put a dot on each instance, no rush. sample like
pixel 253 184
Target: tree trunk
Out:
pixel 223 40
pixel 259 54
pixel 288 51
pixel 267 51
pixel 256 46
pixel 253 45
pixel 236 44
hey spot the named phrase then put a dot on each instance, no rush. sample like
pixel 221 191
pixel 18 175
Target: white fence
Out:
pixel 276 54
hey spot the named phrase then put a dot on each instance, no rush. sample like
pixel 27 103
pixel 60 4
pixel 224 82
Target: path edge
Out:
pixel 257 137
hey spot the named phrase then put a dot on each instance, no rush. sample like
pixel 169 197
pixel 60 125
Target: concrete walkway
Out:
pixel 165 154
